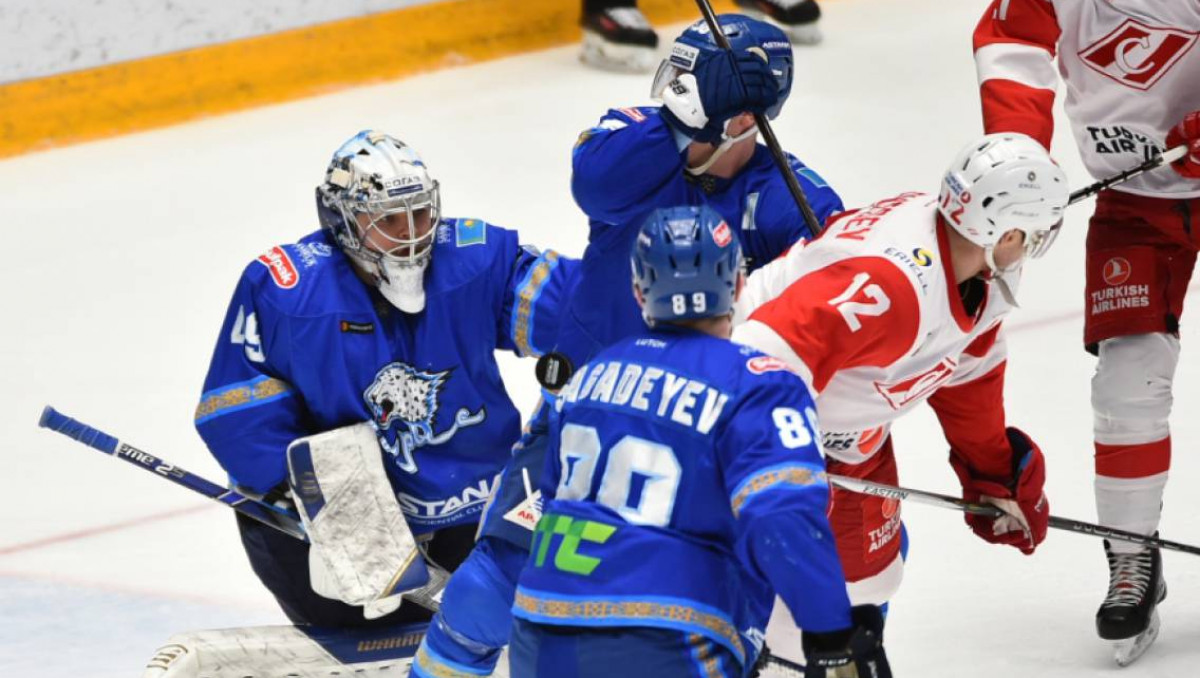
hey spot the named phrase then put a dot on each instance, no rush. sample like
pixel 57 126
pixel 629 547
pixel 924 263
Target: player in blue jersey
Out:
pixel 699 148
pixel 389 314
pixel 684 488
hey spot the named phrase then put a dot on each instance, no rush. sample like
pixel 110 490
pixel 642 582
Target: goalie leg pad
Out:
pixel 286 651
pixel 362 549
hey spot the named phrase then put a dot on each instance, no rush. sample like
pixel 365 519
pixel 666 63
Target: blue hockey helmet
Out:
pixel 744 33
pixel 686 263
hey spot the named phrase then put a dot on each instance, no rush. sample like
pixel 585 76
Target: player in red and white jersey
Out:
pixel 901 303
pixel 1132 75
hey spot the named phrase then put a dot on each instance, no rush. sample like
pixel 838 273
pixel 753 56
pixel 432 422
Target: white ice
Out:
pixel 121 256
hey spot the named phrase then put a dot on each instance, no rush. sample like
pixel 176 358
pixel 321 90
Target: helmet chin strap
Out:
pixel 726 144
pixel 998 275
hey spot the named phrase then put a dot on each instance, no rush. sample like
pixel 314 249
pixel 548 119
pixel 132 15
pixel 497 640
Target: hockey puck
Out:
pixel 553 370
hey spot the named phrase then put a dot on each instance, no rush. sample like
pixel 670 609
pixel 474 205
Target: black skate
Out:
pixel 797 18
pixel 619 39
pixel 1129 615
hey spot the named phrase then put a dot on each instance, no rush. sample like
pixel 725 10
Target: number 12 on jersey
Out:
pixel 876 302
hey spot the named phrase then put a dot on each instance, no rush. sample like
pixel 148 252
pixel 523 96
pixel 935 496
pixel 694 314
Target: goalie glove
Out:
pixel 1026 509
pixel 856 652
pixel 362 552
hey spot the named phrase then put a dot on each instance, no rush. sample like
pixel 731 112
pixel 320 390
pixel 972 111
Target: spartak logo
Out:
pixel 1117 271
pixel 282 269
pixel 904 392
pixel 721 235
pixel 765 363
pixel 1137 55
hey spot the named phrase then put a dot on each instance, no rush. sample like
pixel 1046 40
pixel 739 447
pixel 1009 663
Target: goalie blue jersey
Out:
pixel 306 347
pixel 684 487
pixel 631 163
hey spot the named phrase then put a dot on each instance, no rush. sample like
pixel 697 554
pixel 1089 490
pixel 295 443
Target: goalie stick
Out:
pixel 764 127
pixel 281 519
pixel 288 522
pixel 944 501
pixel 1164 158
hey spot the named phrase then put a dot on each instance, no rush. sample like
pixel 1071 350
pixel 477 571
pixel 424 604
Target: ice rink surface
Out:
pixel 122 254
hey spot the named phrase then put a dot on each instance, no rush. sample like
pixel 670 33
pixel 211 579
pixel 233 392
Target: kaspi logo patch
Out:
pixel 283 271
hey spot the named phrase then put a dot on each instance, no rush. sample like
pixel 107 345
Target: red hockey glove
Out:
pixel 1187 132
pixel 1026 510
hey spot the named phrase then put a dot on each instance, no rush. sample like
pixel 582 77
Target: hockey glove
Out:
pixel 1026 510
pixel 1187 132
pixel 722 85
pixel 856 652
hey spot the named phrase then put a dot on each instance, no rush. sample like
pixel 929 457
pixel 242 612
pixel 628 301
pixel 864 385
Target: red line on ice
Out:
pixel 102 529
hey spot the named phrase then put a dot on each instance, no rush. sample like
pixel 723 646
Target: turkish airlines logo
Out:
pixel 1116 271
pixel 890 508
pixel 283 271
pixel 1137 55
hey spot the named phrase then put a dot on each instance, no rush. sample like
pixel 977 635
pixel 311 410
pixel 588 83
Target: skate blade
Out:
pixel 600 53
pixel 1129 650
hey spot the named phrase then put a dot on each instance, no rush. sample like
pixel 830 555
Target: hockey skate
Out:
pixel 619 39
pixel 1129 614
pixel 797 18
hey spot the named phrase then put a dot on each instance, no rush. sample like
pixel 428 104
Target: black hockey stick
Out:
pixel 1165 158
pixel 267 514
pixel 934 499
pixel 764 127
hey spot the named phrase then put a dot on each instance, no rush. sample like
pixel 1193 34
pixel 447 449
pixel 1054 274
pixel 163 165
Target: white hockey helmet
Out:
pixel 370 179
pixel 1003 182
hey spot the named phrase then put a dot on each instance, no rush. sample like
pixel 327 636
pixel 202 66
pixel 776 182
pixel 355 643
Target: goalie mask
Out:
pixel 382 207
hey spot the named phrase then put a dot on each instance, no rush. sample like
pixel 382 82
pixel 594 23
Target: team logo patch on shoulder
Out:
pixel 470 232
pixel 310 252
pixel 765 363
pixel 283 271
pixel 633 114
pixel 722 235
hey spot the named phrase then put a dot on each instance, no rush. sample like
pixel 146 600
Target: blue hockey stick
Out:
pixel 272 516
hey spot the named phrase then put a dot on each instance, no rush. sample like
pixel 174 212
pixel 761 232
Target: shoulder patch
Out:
pixel 633 114
pixel 283 271
pixel 470 232
pixel 764 363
